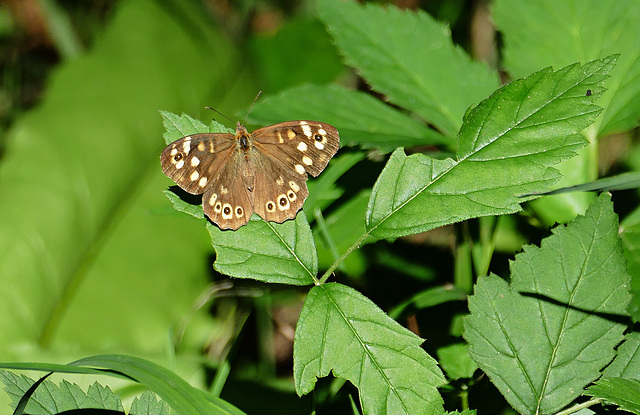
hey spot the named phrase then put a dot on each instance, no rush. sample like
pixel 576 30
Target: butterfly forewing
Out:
pixel 303 145
pixel 265 172
pixel 194 161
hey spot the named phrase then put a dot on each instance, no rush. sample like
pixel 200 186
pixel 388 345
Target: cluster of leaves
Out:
pixel 549 332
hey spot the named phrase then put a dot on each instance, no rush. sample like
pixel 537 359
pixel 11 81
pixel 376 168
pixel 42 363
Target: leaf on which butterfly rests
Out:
pixel 624 393
pixel 276 253
pixel 342 331
pixel 549 333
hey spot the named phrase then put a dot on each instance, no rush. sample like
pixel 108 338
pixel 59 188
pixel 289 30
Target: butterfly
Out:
pixel 263 172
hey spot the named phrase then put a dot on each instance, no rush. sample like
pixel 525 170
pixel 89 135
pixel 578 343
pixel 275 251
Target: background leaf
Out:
pixel 342 331
pixel 548 334
pixel 507 145
pixel 409 57
pixel 624 393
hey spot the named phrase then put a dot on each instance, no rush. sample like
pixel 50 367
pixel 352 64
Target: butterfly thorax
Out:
pixel 243 138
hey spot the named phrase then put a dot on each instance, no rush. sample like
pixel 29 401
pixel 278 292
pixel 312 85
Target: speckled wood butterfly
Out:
pixel 263 172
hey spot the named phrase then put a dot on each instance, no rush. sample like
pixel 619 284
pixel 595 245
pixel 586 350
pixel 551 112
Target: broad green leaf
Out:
pixel 549 334
pixel 342 331
pixel 148 404
pixel 361 119
pixel 630 235
pixel 177 126
pixel 410 58
pixel 429 298
pixel 272 56
pixel 455 361
pixel 507 146
pixel 282 253
pixel 627 362
pixel 50 398
pixel 86 261
pixel 551 32
pixel 182 397
pixel 624 393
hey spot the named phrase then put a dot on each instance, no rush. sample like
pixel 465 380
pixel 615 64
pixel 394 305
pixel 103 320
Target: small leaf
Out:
pixel 410 58
pixel 341 330
pixel 455 361
pixel 549 334
pixel 630 235
pixel 361 119
pixel 624 393
pixel 627 361
pixel 507 146
pixel 148 404
pixel 282 253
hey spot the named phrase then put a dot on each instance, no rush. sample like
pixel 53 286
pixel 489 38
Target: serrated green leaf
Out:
pixel 148 404
pixel 342 331
pixel 282 253
pixel 50 398
pixel 410 58
pixel 361 119
pixel 507 146
pixel 627 362
pixel 548 334
pixel 182 397
pixel 549 32
pixel 630 236
pixel 624 393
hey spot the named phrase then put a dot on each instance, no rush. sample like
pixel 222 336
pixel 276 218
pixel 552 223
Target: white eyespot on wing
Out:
pixel 280 139
pixel 218 207
pixel 318 145
pixel 306 160
pixel 239 211
pixel 203 181
pixel 186 146
pixel 294 186
pixel 195 161
pixel 174 151
pixel 224 190
pixel 180 164
pixel 280 181
pixel 194 176
pixel 201 146
pixel 283 202
pixel 227 211
pixel 271 206
pixel 291 134
pixel 302 146
pixel 322 131
pixel 292 195
pixel 299 169
pixel 212 199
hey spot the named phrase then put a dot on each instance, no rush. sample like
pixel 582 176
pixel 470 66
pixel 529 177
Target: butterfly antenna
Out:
pixel 254 103
pixel 213 109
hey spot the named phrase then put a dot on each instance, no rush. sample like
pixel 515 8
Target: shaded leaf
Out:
pixel 627 362
pixel 148 404
pixel 342 331
pixel 548 334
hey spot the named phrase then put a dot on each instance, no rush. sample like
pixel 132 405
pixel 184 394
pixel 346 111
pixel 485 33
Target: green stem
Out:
pixel 339 261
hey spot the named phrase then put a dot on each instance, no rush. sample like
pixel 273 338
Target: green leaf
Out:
pixel 507 146
pixel 630 235
pixel 622 181
pixel 627 362
pixel 455 361
pixel 551 32
pixel 183 398
pixel 429 298
pixel 272 55
pixel 624 393
pixel 148 404
pixel 548 334
pixel 50 398
pixel 361 119
pixel 282 253
pixel 410 58
pixel 85 258
pixel 342 331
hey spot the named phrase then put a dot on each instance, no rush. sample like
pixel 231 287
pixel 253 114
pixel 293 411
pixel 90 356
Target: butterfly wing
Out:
pixel 211 163
pixel 195 161
pixel 306 146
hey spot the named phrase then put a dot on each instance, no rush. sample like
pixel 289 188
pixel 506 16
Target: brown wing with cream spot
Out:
pixel 195 161
pixel 303 146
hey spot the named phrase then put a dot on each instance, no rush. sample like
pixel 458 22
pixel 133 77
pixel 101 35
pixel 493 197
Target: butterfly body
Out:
pixel 263 172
